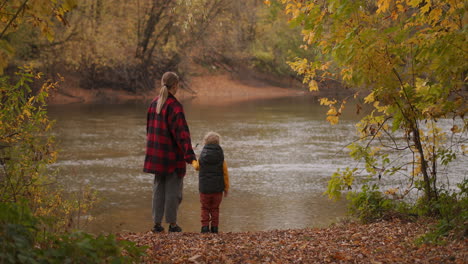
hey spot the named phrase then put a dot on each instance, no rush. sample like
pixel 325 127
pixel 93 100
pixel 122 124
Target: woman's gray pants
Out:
pixel 167 196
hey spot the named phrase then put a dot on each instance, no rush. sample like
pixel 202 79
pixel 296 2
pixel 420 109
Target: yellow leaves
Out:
pixel 313 86
pixel 391 191
pixel 383 6
pixel 370 98
pixel 380 108
pixel 291 8
pixel 347 74
pixel 325 66
pixel 26 113
pixel 326 101
pixel 435 15
pixel 421 85
pixel 333 113
pixel 414 3
pixel 400 8
pixel 308 36
pixel 332 119
pixel 426 7
pixel 417 170
pixel 300 65
pixel 267 2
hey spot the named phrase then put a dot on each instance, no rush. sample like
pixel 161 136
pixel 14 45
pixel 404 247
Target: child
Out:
pixel 213 181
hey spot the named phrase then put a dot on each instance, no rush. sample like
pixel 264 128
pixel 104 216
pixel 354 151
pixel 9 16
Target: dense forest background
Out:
pixel 129 44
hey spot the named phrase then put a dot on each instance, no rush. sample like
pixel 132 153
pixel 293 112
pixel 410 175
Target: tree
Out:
pixel 26 144
pixel 410 58
pixel 38 13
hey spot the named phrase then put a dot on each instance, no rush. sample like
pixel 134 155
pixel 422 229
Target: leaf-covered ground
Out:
pixel 382 242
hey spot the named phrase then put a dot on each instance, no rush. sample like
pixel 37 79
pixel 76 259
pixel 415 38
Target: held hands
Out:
pixel 195 165
pixel 226 194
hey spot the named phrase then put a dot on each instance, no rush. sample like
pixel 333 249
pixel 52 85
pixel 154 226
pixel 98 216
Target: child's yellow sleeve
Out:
pixel 226 176
pixel 196 165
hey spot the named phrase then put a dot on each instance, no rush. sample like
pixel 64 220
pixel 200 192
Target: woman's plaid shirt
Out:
pixel 168 144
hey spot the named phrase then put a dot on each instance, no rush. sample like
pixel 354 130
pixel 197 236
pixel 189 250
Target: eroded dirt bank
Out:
pixel 207 90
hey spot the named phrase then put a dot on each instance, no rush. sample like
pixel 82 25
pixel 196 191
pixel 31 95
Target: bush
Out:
pixel 371 205
pixel 22 241
pixel 452 208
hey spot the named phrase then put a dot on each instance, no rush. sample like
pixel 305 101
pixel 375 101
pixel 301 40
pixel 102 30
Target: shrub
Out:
pixel 22 241
pixel 452 207
pixel 370 204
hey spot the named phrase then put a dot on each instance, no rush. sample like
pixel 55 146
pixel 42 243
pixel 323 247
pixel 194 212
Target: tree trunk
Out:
pixel 428 190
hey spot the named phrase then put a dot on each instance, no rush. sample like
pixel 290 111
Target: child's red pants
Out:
pixel 210 208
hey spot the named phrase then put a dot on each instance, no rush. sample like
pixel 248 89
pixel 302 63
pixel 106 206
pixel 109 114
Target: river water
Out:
pixel 280 155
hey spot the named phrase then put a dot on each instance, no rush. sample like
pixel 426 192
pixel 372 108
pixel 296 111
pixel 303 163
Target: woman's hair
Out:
pixel 168 81
pixel 211 138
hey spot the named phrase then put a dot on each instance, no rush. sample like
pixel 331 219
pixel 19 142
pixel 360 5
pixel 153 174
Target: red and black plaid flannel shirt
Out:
pixel 168 144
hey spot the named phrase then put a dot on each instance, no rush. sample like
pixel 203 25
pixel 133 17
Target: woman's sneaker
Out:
pixel 175 228
pixel 214 229
pixel 157 228
pixel 205 229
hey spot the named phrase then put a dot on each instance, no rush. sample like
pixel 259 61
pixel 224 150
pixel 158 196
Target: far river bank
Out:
pixel 215 90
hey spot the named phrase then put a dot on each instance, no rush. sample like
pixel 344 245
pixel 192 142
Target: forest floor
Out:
pixel 382 242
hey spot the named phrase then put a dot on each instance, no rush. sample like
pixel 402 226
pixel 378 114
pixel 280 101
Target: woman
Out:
pixel 168 148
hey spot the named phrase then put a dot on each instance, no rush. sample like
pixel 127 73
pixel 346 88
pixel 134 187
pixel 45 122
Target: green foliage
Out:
pixel 340 180
pixel 23 241
pixel 453 208
pixel 24 135
pixel 17 232
pixel 275 42
pixel 26 150
pixel 370 204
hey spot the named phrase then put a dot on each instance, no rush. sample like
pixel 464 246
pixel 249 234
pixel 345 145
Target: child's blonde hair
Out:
pixel 211 138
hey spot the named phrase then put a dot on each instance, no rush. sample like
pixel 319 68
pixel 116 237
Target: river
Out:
pixel 280 155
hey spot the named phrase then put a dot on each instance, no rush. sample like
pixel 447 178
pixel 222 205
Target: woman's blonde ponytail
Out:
pixel 163 93
pixel 168 81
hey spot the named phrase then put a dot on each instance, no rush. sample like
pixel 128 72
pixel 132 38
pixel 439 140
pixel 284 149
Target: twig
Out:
pixel 14 17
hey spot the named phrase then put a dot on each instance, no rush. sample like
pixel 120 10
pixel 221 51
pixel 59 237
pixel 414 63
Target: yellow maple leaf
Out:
pixel 383 6
pixel 332 120
pixel 332 111
pixel 370 98
pixel 313 86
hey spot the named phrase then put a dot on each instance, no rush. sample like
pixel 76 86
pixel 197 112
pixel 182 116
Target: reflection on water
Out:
pixel 280 154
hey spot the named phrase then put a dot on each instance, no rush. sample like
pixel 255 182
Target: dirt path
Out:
pixel 383 242
pixel 206 90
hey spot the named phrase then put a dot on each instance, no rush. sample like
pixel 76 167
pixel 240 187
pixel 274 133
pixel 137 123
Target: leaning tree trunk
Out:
pixel 429 191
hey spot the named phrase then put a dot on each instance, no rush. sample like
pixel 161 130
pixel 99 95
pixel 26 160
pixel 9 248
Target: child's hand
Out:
pixel 195 165
pixel 226 194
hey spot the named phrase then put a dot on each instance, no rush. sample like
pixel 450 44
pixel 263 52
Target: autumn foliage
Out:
pixel 408 59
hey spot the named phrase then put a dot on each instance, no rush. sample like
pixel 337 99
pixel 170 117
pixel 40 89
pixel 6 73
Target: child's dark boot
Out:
pixel 214 229
pixel 205 229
